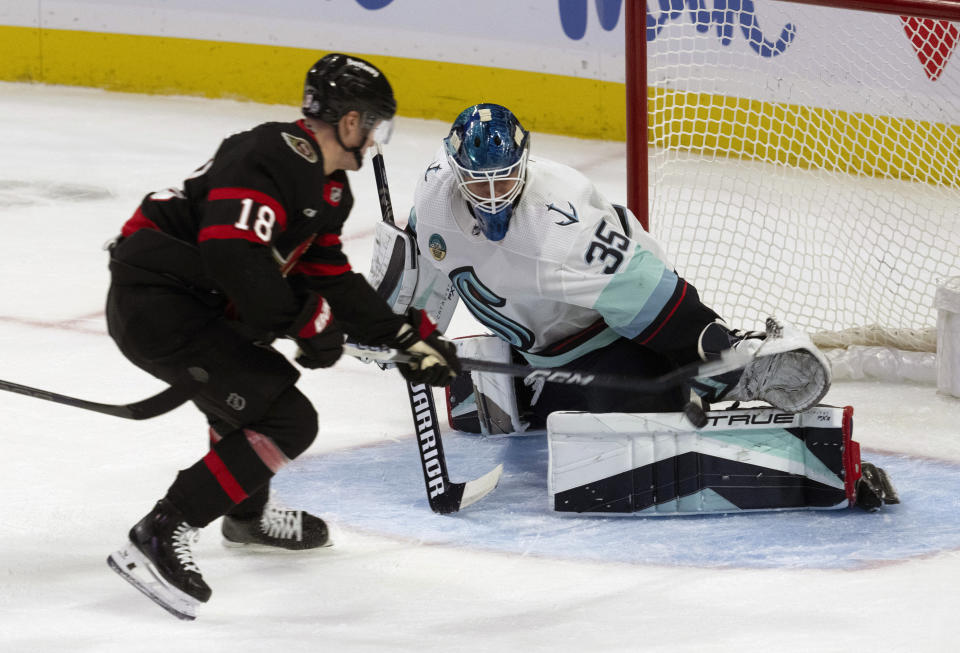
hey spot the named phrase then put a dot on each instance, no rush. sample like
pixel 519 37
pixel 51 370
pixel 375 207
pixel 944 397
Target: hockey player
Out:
pixel 208 276
pixel 563 277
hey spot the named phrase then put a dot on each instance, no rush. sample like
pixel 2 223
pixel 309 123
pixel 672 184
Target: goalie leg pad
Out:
pixel 650 464
pixel 481 402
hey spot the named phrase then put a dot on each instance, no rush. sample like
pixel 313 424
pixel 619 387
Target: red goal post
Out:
pixel 813 175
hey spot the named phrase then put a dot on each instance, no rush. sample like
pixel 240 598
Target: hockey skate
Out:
pixel 158 561
pixel 787 371
pixel 276 528
pixel 874 488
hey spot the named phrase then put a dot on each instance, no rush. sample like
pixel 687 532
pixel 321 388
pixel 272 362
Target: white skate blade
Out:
pixel 136 569
pixel 478 488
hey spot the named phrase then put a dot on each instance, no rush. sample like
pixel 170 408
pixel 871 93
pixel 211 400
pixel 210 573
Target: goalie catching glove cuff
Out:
pixel 435 358
pixel 319 338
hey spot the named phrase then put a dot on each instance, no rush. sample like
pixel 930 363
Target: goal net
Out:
pixel 803 159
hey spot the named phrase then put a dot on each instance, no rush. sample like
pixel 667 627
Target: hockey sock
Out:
pixel 231 472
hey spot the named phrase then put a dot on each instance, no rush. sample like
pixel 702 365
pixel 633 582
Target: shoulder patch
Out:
pixel 301 147
pixel 438 248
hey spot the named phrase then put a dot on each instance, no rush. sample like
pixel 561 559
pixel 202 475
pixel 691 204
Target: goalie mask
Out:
pixel 487 149
pixel 339 84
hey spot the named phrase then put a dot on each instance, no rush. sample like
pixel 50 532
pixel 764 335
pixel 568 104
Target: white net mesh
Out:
pixel 805 163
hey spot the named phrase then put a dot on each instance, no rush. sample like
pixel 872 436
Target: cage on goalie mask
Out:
pixel 487 149
pixel 338 84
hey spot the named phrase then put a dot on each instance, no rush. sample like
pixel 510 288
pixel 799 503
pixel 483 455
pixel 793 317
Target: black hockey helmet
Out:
pixel 339 83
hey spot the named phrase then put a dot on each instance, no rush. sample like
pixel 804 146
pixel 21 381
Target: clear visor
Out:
pixel 381 132
pixel 491 190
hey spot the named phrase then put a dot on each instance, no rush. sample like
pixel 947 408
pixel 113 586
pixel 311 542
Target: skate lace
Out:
pixel 183 539
pixel 282 523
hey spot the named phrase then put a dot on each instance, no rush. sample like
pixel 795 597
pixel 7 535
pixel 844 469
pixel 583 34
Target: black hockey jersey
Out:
pixel 266 223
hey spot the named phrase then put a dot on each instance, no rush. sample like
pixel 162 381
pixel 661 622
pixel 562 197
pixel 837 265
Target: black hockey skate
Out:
pixel 874 488
pixel 158 561
pixel 276 528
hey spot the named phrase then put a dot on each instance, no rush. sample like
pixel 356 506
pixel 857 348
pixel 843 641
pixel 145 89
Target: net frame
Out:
pixel 641 97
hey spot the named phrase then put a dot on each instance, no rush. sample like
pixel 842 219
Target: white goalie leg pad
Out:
pixel 393 268
pixel 652 464
pixel 495 394
pixel 789 372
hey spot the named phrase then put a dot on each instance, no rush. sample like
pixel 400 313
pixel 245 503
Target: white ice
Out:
pixel 73 165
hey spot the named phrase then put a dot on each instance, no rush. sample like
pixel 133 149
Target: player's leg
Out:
pixel 259 522
pixel 251 388
pixel 482 402
pixel 741 460
pixel 622 357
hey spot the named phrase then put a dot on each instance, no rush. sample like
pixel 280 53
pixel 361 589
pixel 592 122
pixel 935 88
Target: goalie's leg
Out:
pixel 742 460
pixel 481 402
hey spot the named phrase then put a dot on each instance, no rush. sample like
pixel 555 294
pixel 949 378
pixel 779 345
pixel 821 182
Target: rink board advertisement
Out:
pixel 560 65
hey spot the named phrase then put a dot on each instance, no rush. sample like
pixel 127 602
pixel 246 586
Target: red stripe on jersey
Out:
pixel 320 269
pixel 255 195
pixel 136 223
pixel 226 480
pixel 673 310
pixel 303 125
pixel 226 232
pixel 327 240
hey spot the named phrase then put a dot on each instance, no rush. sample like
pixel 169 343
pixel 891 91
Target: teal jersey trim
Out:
pixel 602 339
pixel 634 297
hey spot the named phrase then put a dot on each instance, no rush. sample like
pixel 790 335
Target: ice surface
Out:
pixel 504 575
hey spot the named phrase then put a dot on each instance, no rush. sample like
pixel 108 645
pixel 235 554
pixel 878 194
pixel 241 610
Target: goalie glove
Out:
pixel 788 371
pixel 435 359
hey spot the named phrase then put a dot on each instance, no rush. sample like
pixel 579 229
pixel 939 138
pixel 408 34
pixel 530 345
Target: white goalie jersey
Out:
pixel 572 274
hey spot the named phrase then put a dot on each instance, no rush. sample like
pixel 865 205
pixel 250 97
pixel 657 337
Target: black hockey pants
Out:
pixel 166 320
pixel 624 357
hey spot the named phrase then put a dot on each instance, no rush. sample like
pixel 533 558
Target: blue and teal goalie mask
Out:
pixel 487 149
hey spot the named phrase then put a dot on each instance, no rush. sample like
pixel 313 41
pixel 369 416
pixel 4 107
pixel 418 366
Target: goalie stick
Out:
pixel 730 360
pixel 443 496
pixel 158 404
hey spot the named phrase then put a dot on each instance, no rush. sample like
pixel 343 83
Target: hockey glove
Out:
pixel 319 338
pixel 435 361
pixel 788 371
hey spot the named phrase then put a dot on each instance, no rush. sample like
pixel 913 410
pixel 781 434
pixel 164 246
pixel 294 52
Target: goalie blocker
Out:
pixel 759 459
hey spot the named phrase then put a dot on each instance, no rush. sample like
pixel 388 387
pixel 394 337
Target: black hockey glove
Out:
pixel 436 357
pixel 319 338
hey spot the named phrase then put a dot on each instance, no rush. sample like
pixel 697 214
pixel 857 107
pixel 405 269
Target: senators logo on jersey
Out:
pixel 301 147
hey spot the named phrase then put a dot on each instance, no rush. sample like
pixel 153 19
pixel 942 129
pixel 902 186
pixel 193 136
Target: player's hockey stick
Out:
pixel 444 496
pixel 730 360
pixel 158 404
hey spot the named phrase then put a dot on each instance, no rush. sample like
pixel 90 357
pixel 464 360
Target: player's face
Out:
pixel 484 189
pixel 354 135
